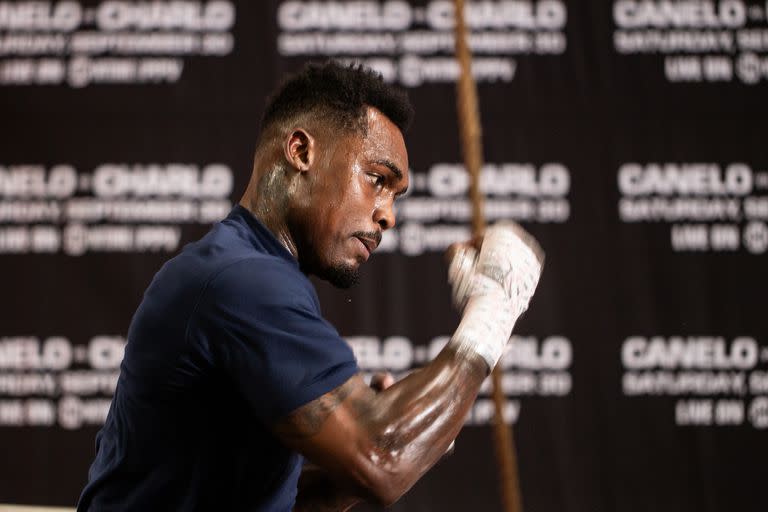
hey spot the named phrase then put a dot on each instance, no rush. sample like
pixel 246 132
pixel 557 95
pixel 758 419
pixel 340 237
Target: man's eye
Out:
pixel 376 179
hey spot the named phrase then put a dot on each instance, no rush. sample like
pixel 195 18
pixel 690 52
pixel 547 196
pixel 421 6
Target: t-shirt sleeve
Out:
pixel 261 324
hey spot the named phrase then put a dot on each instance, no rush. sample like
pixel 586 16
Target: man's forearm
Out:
pixel 416 420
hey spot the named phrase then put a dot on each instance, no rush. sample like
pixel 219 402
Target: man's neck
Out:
pixel 273 220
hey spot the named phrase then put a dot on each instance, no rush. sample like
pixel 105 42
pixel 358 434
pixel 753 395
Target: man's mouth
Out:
pixel 370 241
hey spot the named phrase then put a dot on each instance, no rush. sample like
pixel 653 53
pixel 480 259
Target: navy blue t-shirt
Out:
pixel 228 339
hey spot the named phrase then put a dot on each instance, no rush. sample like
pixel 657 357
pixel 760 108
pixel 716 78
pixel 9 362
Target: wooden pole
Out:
pixel 472 149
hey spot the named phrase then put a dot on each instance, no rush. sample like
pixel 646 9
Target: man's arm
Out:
pixel 317 492
pixel 377 446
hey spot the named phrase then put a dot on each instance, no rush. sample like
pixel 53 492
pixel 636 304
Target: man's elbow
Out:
pixel 385 484
pixel 386 493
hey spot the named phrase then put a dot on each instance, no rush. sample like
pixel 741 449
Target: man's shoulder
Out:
pixel 259 275
pixel 237 270
pixel 223 256
pixel 229 273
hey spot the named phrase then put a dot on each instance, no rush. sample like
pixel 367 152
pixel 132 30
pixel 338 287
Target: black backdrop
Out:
pixel 626 135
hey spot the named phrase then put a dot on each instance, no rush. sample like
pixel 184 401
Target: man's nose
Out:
pixel 384 215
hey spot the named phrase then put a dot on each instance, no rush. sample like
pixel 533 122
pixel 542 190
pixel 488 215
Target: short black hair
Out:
pixel 342 92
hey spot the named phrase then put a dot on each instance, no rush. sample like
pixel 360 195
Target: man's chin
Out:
pixel 341 276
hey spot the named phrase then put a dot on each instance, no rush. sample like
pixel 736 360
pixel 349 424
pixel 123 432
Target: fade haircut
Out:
pixel 340 93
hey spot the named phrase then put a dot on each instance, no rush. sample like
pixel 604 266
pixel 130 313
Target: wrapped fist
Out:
pixel 494 288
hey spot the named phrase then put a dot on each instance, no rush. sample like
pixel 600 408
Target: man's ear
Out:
pixel 299 149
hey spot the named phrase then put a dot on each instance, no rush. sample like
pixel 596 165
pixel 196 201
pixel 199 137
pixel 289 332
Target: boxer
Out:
pixel 232 378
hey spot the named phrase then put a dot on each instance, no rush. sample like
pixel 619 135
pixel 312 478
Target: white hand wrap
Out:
pixel 505 277
pixel 460 274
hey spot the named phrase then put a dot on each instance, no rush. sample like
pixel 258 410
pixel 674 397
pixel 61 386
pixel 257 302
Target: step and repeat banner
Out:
pixel 628 136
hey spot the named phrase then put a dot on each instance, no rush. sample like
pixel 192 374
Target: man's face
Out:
pixel 351 191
